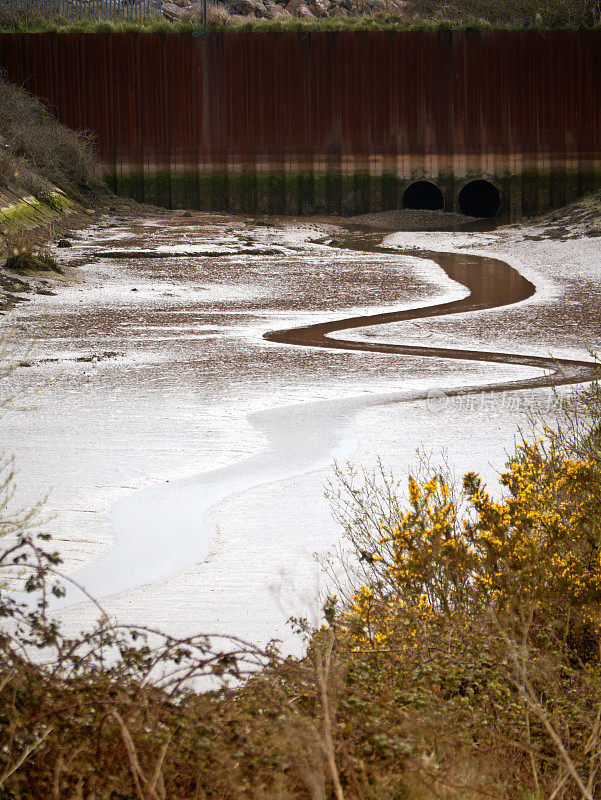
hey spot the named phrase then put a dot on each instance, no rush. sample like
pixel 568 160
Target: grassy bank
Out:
pixel 294 24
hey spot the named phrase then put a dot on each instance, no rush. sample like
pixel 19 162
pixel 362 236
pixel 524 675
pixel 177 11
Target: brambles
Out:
pixel 460 658
pixel 105 712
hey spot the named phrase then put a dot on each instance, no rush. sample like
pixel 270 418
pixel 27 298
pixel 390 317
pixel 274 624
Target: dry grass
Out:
pixel 29 263
pixel 396 15
pixel 37 152
pixel 507 13
pixel 217 14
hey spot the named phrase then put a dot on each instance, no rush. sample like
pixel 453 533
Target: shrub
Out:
pixel 39 151
pixel 510 13
pixel 481 618
pixel 27 263
pixel 461 657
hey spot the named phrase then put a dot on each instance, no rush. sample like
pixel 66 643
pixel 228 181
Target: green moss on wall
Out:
pixel 305 193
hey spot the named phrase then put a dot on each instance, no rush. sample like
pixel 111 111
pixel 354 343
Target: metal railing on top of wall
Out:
pixel 94 10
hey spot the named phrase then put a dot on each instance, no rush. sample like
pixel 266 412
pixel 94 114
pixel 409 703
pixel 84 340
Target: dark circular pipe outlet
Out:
pixel 423 196
pixel 479 199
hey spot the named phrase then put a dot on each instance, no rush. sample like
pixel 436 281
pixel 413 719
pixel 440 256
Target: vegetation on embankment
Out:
pixel 330 15
pixel 32 264
pixel 48 179
pixel 461 657
pixel 38 154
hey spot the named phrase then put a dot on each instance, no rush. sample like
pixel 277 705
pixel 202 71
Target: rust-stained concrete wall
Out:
pixel 296 122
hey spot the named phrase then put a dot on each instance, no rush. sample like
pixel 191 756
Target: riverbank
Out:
pixel 186 457
pixel 152 369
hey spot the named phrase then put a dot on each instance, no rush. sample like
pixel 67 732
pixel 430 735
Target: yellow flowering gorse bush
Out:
pixel 536 546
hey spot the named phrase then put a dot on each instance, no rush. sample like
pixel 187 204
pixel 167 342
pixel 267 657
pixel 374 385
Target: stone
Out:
pixel 299 8
pixel 64 243
pixel 275 10
pixel 247 8
pixel 171 11
pixel 320 8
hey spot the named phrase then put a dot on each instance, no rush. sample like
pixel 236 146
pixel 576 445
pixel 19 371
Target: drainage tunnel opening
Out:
pixel 479 199
pixel 423 196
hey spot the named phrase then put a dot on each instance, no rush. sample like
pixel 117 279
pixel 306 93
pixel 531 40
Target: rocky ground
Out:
pixel 409 219
pixel 229 10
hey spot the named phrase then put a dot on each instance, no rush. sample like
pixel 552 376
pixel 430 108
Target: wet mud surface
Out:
pixel 196 385
pixel 492 283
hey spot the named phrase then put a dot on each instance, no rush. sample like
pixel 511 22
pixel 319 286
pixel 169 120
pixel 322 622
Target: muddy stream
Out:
pixel 304 437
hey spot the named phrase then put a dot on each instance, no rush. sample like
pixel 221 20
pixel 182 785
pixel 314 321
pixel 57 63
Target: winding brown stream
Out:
pixel 300 438
pixel 492 284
